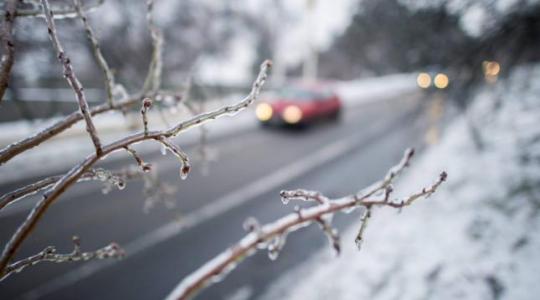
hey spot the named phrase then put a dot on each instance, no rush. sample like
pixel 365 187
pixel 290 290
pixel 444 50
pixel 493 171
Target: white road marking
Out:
pixel 215 208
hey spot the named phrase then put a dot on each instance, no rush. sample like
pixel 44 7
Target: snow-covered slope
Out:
pixel 478 237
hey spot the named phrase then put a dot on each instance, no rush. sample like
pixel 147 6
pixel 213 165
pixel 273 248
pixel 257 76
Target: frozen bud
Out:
pixel 444 175
pixel 116 250
pixel 147 103
pixel 120 184
pixel 358 242
pixel 146 167
pixel 251 224
pixel 184 171
pixel 284 197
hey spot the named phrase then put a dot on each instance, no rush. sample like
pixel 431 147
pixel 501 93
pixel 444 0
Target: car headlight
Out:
pixel 292 114
pixel 264 111
pixel 441 81
pixel 423 80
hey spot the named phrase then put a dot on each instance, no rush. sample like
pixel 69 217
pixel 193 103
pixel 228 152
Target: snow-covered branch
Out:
pixel 273 236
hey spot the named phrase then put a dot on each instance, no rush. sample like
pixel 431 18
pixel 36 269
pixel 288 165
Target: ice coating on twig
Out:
pixel 113 250
pixel 180 154
pixel 272 236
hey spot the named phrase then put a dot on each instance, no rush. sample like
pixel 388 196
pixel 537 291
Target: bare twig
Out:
pixel 53 193
pixel 218 268
pixel 70 76
pixel 104 66
pixel 49 254
pixel 10 7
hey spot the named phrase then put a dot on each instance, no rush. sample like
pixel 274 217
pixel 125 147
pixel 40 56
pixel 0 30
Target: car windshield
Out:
pixel 297 94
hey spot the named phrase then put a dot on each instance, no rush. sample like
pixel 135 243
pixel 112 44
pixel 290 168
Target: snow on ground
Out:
pixel 478 237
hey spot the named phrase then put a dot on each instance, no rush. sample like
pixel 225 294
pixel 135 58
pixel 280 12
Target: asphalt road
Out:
pixel 250 168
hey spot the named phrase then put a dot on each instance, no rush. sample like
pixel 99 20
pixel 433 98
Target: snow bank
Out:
pixel 478 237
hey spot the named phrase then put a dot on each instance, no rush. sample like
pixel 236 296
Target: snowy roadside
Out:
pixel 68 148
pixel 477 238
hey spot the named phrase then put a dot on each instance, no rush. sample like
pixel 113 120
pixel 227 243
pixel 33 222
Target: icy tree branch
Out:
pixel 93 174
pixel 73 175
pixel 98 55
pixel 8 57
pixel 272 236
pixel 153 78
pixel 145 167
pixel 70 76
pixel 49 254
pixel 32 141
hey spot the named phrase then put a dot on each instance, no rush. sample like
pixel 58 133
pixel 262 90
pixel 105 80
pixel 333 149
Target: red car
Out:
pixel 299 106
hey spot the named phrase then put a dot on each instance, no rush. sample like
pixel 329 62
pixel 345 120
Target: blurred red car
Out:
pixel 299 106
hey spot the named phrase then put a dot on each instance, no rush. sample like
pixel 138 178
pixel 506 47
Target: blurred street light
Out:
pixel 491 70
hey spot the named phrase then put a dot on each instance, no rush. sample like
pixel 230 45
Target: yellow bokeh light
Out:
pixel 441 81
pixel 292 114
pixel 491 68
pixel 423 80
pixel 264 111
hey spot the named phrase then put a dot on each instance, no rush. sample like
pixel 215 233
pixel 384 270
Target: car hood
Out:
pixel 281 104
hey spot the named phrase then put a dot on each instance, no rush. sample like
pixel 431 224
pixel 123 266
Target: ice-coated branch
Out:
pixel 36 139
pixel 33 188
pixel 363 225
pixel 145 167
pixel 96 50
pixel 32 141
pixel 70 76
pixel 73 175
pixel 272 236
pixel 59 13
pixel 391 175
pixel 226 110
pixel 303 195
pixel 153 78
pixel 10 8
pixel 113 250
pixel 178 153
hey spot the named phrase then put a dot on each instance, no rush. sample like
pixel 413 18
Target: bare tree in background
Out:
pixel 271 236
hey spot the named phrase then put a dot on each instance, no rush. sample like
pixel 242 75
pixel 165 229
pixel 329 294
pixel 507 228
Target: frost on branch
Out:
pixel 49 254
pixel 272 236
